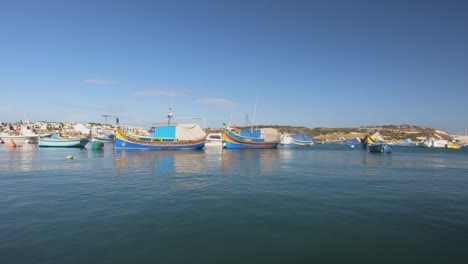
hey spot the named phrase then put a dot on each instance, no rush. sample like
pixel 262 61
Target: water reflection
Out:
pixel 20 158
pixel 376 159
pixel 161 162
pixel 196 162
pixel 263 160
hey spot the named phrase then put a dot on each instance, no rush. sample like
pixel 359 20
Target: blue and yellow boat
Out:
pixel 380 147
pixel 179 136
pixel 266 138
pixel 366 141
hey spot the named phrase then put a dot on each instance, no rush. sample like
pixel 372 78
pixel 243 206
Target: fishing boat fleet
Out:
pixel 188 136
pixel 192 136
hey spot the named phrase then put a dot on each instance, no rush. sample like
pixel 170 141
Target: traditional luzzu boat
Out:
pixel 374 139
pixel 265 138
pixel 170 136
pixel 380 147
pixel 179 136
pixel 250 138
pixel 366 141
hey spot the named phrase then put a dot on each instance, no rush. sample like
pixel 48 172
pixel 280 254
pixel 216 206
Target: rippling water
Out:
pixel 326 204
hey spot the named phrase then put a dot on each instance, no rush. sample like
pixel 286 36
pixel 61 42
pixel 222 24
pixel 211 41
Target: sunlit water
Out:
pixel 326 204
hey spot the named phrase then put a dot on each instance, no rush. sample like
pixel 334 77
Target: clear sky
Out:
pixel 310 63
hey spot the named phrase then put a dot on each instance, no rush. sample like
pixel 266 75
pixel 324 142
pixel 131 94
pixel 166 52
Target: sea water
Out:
pixel 324 204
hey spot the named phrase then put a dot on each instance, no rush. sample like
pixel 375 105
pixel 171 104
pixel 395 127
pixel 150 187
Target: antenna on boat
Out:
pixel 230 119
pixel 255 110
pixel 169 115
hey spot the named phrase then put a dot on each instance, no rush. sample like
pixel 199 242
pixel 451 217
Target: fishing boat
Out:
pixel 380 147
pixel 60 142
pixel 170 136
pixel 375 138
pixel 23 134
pixel 250 138
pixel 366 141
pixel 177 136
pixel 265 138
pixel 296 140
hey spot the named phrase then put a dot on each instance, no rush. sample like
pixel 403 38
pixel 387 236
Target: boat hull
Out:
pixel 20 140
pixel 290 141
pixel 452 146
pixel 124 141
pixel 380 148
pixel 294 144
pixel 234 141
pixel 62 143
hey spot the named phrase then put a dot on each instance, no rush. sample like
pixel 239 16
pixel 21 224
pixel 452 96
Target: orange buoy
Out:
pixel 12 143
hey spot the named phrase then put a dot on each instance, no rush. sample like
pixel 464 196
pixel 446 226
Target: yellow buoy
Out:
pixel 70 157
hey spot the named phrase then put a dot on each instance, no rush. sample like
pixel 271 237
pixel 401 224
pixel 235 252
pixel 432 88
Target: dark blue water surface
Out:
pixel 326 204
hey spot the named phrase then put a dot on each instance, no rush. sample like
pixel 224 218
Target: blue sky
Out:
pixel 311 63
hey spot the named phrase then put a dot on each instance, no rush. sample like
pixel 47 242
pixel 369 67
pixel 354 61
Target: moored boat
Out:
pixel 162 137
pixel 380 148
pixel 366 141
pixel 59 142
pixel 265 138
pixel 296 140
pixel 452 146
pixel 214 140
pixel 433 143
pixel 23 134
pixel 178 136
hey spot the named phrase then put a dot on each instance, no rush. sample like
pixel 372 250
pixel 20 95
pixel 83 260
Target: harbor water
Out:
pixel 324 204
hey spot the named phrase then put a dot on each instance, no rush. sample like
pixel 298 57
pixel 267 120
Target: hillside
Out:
pixel 389 132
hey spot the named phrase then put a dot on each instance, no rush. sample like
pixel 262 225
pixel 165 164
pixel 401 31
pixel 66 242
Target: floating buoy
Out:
pixel 12 144
pixel 352 146
pixel 70 157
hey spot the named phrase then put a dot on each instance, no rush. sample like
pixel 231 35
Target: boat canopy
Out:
pixel 303 137
pixel 179 131
pixel 377 137
pixel 353 141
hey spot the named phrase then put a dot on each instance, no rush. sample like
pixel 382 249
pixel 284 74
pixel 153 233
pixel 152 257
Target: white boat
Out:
pixel 296 140
pixel 433 143
pixel 24 134
pixel 214 140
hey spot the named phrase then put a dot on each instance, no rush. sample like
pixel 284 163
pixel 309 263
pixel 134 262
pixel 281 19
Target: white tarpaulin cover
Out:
pixel 189 132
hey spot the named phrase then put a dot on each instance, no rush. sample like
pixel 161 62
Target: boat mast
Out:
pixel 255 110
pixel 169 115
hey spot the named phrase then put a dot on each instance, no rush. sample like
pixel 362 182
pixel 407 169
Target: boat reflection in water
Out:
pixel 260 160
pixel 195 162
pixel 186 162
